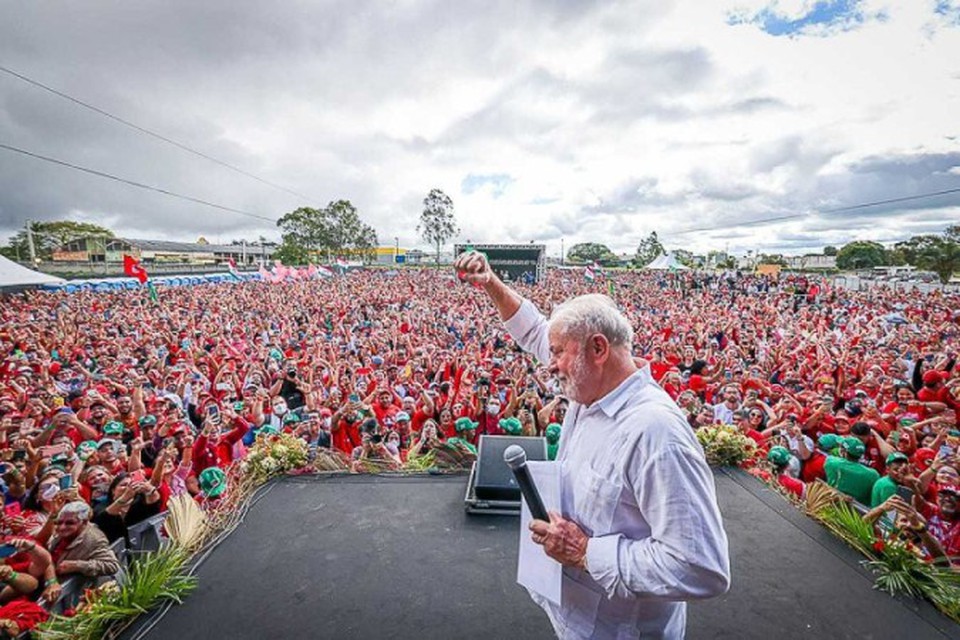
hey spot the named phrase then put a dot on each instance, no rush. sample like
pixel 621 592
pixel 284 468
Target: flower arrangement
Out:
pixel 274 455
pixel 725 446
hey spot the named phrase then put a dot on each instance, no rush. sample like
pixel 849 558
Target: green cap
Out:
pixel 85 448
pixel 113 428
pixel 907 421
pixel 552 450
pixel 897 456
pixel 552 433
pixel 148 420
pixel 268 430
pixel 779 456
pixel 213 481
pixel 511 426
pixel 828 441
pixel 464 424
pixel 276 354
pixel 290 418
pixel 853 446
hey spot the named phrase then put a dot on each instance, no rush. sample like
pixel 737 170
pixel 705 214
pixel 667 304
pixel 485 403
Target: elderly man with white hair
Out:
pixel 640 531
pixel 77 547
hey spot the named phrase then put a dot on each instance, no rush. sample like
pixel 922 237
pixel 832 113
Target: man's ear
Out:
pixel 599 347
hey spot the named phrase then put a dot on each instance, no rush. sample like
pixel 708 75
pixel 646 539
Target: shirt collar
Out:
pixel 611 403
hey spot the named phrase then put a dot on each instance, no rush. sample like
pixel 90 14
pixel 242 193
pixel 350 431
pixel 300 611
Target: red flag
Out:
pixel 132 268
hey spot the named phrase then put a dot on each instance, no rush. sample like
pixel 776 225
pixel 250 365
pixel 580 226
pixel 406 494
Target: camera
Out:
pixel 291 373
pixel 371 428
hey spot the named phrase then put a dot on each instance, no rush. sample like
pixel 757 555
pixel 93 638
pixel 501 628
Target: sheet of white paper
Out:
pixel 535 569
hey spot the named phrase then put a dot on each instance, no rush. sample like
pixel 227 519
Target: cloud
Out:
pixel 816 18
pixel 497 183
pixel 578 121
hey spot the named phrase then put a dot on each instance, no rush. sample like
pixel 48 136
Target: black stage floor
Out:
pixel 379 557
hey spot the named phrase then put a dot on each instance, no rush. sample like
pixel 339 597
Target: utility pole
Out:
pixel 561 252
pixel 33 250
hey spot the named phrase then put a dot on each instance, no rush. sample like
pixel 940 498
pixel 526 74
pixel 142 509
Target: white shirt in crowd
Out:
pixel 634 477
pixel 722 414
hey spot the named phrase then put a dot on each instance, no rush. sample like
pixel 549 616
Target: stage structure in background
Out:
pixel 512 262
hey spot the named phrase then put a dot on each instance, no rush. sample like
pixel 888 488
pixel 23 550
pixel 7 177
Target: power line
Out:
pixel 134 183
pixel 792 216
pixel 154 134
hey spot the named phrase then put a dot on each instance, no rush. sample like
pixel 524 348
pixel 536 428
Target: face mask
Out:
pixel 280 409
pixel 493 409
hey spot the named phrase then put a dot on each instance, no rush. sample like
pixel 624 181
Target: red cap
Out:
pixel 924 457
pixel 949 488
pixel 932 377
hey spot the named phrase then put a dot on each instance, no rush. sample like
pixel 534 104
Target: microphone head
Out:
pixel 515 456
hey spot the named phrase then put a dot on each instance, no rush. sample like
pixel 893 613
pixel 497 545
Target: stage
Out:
pixel 397 557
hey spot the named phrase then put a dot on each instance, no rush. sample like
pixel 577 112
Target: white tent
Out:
pixel 13 276
pixel 666 261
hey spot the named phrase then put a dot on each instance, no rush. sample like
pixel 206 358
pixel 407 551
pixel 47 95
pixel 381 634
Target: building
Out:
pixel 811 262
pixel 112 250
pixel 390 255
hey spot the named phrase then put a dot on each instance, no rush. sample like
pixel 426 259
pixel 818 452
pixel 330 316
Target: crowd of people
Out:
pixel 112 403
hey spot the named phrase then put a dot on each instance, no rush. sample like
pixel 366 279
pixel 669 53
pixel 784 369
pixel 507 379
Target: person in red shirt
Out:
pixel 744 422
pixel 214 449
pixel 385 408
pixel 345 425
pixel 934 390
pixel 944 520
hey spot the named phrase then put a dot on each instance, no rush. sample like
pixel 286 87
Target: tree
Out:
pixel 686 258
pixel 591 252
pixel 50 236
pixel 942 256
pixel 939 254
pixel 291 253
pixel 829 250
pixel 648 250
pixel 861 254
pixel 437 224
pixel 334 230
pixel 953 233
pixel 772 258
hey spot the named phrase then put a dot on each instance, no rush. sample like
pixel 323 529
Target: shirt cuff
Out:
pixel 603 561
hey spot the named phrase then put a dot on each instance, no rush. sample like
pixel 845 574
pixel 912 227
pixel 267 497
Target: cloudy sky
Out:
pixel 586 121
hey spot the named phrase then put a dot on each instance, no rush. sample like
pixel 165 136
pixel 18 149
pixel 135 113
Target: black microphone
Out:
pixel 516 459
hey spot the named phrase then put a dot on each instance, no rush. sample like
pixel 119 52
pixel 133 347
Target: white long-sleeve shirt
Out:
pixel 635 479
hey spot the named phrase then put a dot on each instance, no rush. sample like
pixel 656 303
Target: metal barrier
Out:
pixel 147 535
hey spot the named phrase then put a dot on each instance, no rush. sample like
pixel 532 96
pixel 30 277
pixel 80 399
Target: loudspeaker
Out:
pixel 494 479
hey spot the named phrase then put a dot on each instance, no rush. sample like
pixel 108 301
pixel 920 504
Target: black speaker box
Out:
pixel 494 479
